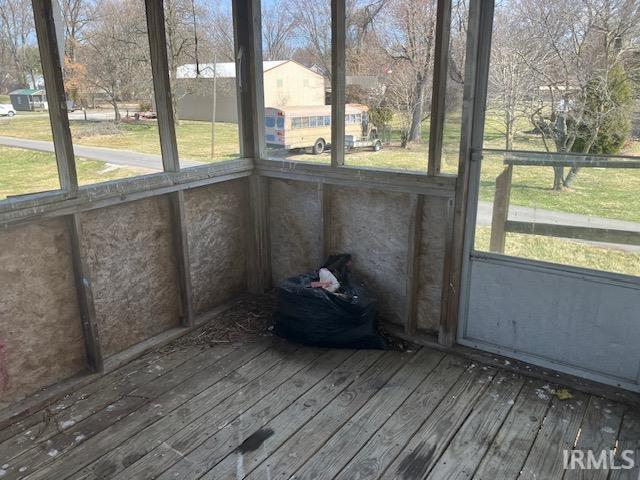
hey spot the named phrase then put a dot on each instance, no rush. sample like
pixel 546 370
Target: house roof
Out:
pixel 225 69
pixel 28 91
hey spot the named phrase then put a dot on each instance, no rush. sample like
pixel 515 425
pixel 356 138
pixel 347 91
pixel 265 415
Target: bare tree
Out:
pixel 278 31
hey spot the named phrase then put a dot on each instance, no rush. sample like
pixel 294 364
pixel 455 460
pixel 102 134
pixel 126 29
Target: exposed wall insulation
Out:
pixel 373 225
pixel 436 218
pixel 132 266
pixel 295 226
pixel 40 326
pixel 217 226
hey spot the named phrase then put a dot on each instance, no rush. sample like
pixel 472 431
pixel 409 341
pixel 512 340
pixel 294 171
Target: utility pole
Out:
pixel 213 113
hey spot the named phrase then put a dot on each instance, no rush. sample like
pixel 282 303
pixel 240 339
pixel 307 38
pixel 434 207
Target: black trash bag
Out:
pixel 317 317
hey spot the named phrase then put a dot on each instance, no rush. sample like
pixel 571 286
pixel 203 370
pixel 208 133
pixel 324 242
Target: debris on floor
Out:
pixel 246 320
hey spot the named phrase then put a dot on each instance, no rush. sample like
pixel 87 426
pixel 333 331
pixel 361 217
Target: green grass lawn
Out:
pixel 27 171
pixel 565 252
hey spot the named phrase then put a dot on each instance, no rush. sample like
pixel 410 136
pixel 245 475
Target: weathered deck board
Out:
pixel 558 432
pixel 322 373
pixel 347 441
pixel 320 428
pixel 384 447
pixel 275 410
pixel 468 446
pixel 192 431
pixel 425 447
pixel 510 447
pixel 40 426
pixel 202 383
pixel 79 424
pixel 628 439
pixel 598 432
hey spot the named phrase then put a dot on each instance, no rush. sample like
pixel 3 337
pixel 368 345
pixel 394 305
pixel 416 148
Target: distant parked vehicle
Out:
pixel 7 110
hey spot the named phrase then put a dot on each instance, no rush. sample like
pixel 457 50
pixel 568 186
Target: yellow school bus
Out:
pixel 309 127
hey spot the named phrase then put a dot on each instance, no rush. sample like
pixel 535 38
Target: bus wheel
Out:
pixel 319 146
pixel 377 146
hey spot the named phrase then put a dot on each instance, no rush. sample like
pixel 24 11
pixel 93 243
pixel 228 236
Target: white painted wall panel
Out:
pixel 569 321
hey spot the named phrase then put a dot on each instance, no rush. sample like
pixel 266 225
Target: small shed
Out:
pixel 28 99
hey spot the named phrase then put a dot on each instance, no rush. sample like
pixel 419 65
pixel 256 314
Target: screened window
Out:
pixel 560 173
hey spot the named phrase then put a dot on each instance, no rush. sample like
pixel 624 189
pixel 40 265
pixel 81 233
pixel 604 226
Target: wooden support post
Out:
pixel 440 73
pixel 162 84
pixel 249 76
pixel 324 192
pixel 413 263
pixel 93 348
pixel 181 252
pixel 474 100
pixel 169 149
pixel 500 210
pixel 54 85
pixel 259 252
pixel 338 80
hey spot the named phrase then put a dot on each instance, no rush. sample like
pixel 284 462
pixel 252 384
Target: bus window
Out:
pixel 270 122
pixel 296 122
pixel 313 122
pixel 304 122
pixel 280 122
pixel 358 118
pixel 327 121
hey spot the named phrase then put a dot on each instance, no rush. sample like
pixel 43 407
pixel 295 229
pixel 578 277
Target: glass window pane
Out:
pixel 296 45
pixel 389 76
pixel 27 162
pixel 561 182
pixel 202 72
pixel 109 88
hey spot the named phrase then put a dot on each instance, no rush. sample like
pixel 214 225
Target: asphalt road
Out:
pixel 108 155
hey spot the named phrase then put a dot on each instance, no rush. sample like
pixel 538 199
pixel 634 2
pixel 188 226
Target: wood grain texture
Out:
pixel 425 447
pixel 40 326
pixel 628 439
pixel 598 433
pixel 468 446
pixel 131 261
pixel 510 447
pixel 94 450
pixel 558 433
pixel 321 427
pixel 296 415
pixel 371 461
pixel 216 221
pixel 348 440
pixel 190 434
pixel 250 423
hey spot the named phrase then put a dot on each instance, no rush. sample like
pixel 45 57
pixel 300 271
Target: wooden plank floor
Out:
pixel 268 409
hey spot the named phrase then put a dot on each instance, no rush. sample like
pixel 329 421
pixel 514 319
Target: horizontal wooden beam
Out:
pixel 388 180
pixel 606 235
pixel 583 162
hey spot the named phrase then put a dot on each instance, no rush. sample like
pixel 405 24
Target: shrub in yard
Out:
pixel 606 123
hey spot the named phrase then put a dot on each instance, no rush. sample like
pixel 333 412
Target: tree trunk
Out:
pixel 558 178
pixel 116 112
pixel 415 128
pixel 509 131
